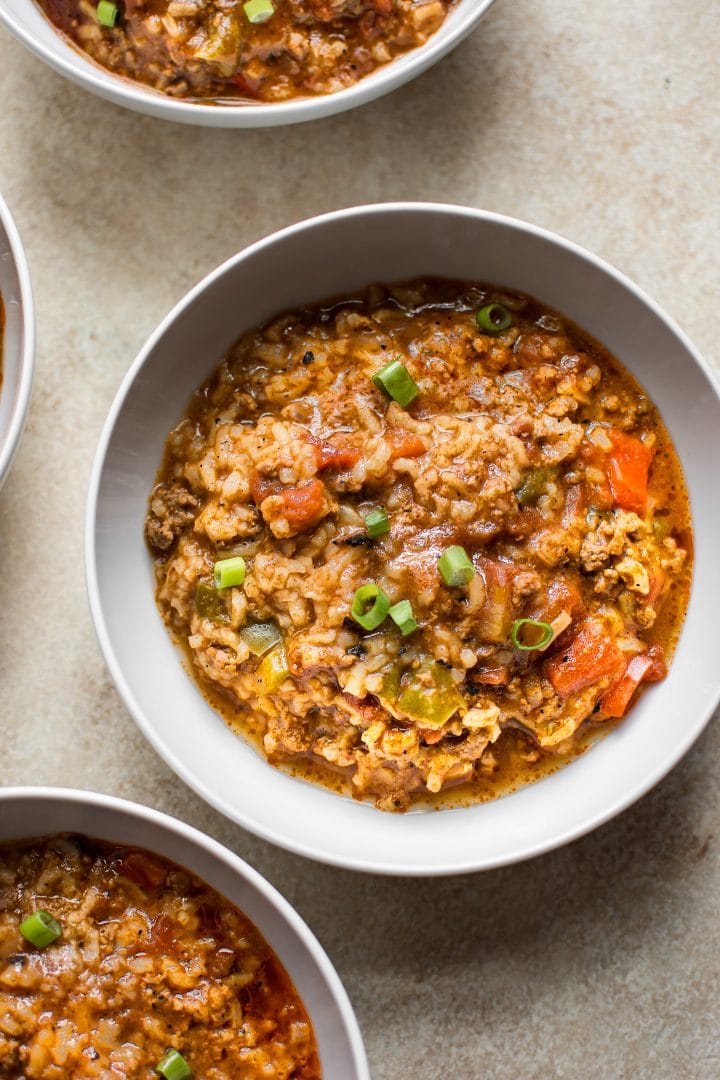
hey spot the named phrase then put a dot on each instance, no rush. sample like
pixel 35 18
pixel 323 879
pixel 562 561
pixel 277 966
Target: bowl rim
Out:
pixel 83 71
pixel 194 837
pixel 26 370
pixel 521 851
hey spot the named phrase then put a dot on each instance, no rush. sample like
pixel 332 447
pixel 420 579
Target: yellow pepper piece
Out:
pixel 273 669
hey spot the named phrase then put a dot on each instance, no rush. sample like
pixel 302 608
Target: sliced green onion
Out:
pixel 40 929
pixel 229 572
pixel 493 318
pixel 397 382
pixel 402 615
pixel 377 523
pixel 370 606
pixel 106 13
pixel 260 637
pixel 259 11
pixel 535 634
pixel 455 567
pixel 173 1066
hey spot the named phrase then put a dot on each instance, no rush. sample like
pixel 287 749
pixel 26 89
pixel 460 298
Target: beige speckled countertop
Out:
pixel 597 120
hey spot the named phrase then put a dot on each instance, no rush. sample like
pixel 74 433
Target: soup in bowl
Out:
pixel 426 573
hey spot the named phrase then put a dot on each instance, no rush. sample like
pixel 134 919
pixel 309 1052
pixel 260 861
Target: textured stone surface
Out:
pixel 599 121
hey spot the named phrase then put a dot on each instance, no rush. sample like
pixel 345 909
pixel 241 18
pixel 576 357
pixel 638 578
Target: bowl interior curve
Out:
pixel 17 351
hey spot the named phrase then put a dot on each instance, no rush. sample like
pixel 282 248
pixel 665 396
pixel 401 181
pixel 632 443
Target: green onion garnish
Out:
pixel 402 615
pixel 106 13
pixel 370 606
pixel 259 11
pixel 397 382
pixel 535 634
pixel 493 318
pixel 455 567
pixel 173 1066
pixel 229 572
pixel 377 523
pixel 40 929
pixel 260 637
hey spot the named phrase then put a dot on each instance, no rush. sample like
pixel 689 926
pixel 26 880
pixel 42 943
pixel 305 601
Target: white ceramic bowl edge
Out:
pixel 27 812
pixel 25 20
pixel 18 344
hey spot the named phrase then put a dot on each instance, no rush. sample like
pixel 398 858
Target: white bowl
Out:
pixel 326 257
pixel 25 20
pixel 33 812
pixel 18 341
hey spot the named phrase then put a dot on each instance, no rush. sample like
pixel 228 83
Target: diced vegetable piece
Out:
pixel 377 523
pixel 303 506
pixel 336 455
pixel 493 318
pixel 403 444
pixel 402 615
pixel 397 382
pixel 591 655
pixel 561 606
pixel 229 572
pixel 455 567
pixel 261 487
pixel 527 635
pixel 495 616
pixel 222 42
pixel 628 468
pixel 259 11
pixel 40 929
pixel 273 669
pixel 563 594
pixel 260 637
pixel 106 13
pixel 370 606
pixel 391 683
pixel 429 695
pixel 533 486
pixel 162 936
pixel 173 1066
pixel 615 701
pixel 209 604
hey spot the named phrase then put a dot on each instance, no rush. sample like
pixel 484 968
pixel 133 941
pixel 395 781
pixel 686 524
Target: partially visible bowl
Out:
pixel 18 341
pixel 27 812
pixel 25 20
pixel 330 256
